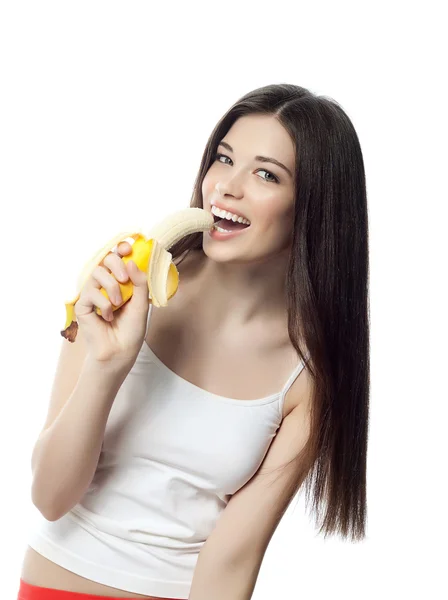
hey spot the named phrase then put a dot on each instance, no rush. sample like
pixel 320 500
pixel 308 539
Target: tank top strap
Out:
pixel 296 372
pixel 149 318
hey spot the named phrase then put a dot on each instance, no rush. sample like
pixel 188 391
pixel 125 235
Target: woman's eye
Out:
pixel 218 156
pixel 275 180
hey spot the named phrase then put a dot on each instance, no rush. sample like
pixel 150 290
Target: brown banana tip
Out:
pixel 71 332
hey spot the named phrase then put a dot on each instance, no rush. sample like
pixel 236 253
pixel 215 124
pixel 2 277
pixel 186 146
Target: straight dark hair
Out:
pixel 327 292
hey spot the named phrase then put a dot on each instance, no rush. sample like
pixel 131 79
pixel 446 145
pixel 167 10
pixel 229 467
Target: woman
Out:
pixel 188 439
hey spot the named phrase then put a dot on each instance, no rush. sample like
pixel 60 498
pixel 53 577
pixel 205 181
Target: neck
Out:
pixel 241 294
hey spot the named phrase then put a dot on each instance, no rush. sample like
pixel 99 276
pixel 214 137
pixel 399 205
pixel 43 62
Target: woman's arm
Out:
pixel 224 582
pixel 66 453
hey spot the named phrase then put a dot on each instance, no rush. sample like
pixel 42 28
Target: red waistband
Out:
pixel 34 592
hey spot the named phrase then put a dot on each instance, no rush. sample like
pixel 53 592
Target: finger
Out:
pixel 117 266
pixel 138 277
pixel 123 248
pixel 90 300
pixel 109 283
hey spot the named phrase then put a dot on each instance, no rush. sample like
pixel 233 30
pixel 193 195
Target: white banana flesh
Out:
pixel 158 268
pixel 165 234
pixel 179 224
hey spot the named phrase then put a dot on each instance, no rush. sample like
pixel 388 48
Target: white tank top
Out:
pixel 173 454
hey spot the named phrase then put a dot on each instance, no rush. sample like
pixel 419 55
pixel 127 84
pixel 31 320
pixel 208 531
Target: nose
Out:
pixel 227 188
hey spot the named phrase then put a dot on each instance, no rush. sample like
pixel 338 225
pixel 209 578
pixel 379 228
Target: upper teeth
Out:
pixel 225 214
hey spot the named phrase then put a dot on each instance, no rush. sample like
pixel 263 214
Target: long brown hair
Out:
pixel 327 291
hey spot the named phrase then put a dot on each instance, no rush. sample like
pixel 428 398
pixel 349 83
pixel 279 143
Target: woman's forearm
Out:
pixel 66 455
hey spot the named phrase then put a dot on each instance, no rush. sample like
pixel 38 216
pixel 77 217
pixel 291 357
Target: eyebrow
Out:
pixel 260 158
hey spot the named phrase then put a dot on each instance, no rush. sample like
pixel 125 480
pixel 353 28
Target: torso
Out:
pixel 266 355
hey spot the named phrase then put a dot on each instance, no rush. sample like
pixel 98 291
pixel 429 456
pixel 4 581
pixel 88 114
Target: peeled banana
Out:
pixel 150 254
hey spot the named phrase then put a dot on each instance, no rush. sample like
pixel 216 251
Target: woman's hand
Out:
pixel 115 336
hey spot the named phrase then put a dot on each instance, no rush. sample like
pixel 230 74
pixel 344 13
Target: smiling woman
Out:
pixel 251 382
pixel 311 208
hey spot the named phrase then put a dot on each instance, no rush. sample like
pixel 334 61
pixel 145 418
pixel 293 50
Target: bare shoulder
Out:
pixel 306 387
pixel 300 392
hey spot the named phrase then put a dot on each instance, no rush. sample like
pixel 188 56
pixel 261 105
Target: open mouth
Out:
pixel 228 224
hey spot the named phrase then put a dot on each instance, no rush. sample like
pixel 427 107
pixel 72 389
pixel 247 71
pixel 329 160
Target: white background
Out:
pixel 105 111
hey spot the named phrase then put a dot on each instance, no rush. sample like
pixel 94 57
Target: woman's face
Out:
pixel 262 192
